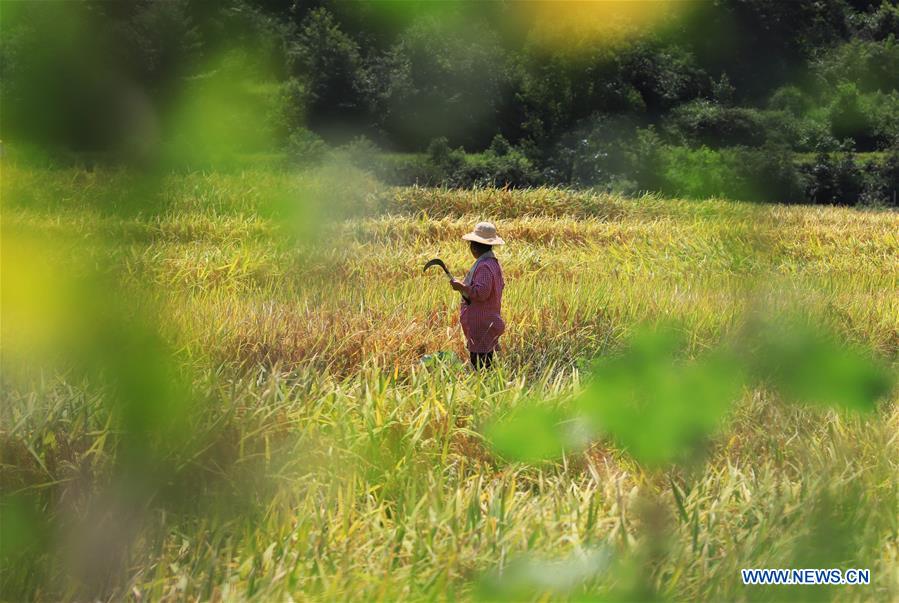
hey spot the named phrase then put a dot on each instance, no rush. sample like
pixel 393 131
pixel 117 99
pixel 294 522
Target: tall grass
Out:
pixel 321 460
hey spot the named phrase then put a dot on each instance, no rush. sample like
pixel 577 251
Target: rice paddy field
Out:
pixel 213 389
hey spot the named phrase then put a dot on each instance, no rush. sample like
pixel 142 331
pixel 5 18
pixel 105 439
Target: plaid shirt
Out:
pixel 481 320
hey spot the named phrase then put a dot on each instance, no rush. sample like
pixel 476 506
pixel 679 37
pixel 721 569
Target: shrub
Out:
pixel 706 123
pixel 881 181
pixel 361 152
pixel 402 169
pixel 645 163
pixel 851 117
pixel 723 91
pixel 499 146
pixel 290 109
pixel 439 150
pixel 783 128
pixel 502 165
pixel 305 147
pixel 768 174
pixel 789 99
pixel 870 65
pixel 447 161
pixel 511 169
pixel 834 180
pixel 882 23
pixel 884 108
pixel 602 149
pixel 698 173
pixel 814 134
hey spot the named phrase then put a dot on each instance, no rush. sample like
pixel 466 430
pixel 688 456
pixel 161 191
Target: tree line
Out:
pixel 753 99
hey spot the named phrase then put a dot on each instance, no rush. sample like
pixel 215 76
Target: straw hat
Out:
pixel 484 232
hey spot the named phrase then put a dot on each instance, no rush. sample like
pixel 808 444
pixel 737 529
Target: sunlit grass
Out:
pixel 323 461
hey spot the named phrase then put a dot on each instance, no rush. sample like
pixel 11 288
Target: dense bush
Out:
pixel 714 125
pixel 768 174
pixel 870 65
pixel 510 169
pixel 851 117
pixel 305 147
pixel 644 158
pixel 501 165
pixel 772 174
pixel 790 99
pixel 408 169
pixel 765 174
pixel 606 152
pixel 698 173
pixel 835 180
pixel 361 152
pixel 877 24
pixel 881 181
pixel 842 178
pixel 440 80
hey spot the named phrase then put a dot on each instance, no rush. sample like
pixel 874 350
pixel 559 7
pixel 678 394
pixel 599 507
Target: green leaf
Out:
pixel 809 365
pixel 660 408
pixel 531 433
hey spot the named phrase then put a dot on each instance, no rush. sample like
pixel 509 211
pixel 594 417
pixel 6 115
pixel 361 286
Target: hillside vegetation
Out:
pixel 683 98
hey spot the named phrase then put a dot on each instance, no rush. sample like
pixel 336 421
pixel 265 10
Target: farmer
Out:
pixel 483 286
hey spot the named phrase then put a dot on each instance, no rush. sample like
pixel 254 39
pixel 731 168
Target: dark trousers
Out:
pixel 479 361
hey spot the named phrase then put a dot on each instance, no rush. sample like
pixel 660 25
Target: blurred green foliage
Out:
pixel 662 406
pixel 656 406
pixel 229 111
pixel 526 577
pixel 808 365
pixel 531 433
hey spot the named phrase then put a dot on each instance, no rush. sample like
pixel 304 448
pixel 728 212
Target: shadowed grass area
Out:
pixel 315 457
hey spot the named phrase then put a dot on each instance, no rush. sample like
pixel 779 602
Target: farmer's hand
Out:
pixel 457 285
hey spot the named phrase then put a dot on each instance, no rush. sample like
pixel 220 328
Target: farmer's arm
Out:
pixel 480 287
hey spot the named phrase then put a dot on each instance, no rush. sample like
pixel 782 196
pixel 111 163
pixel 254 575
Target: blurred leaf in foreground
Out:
pixel 528 577
pixel 22 531
pixel 532 433
pixel 659 407
pixel 808 365
pixel 223 114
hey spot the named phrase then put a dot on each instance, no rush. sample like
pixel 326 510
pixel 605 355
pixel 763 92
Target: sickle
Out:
pixel 439 262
